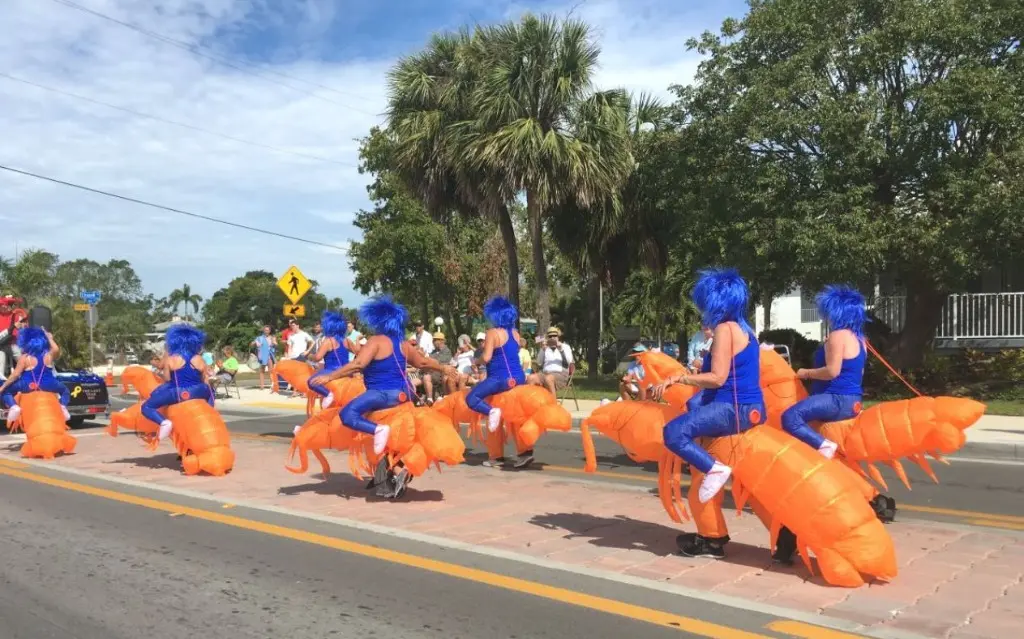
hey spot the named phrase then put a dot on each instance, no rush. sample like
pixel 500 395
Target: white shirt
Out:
pixel 353 337
pixel 553 358
pixel 426 342
pixel 464 362
pixel 298 342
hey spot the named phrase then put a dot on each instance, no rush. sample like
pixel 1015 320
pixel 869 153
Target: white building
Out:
pixel 988 315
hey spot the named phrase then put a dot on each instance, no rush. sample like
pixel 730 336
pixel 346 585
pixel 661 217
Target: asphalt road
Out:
pixel 125 563
pixel 968 490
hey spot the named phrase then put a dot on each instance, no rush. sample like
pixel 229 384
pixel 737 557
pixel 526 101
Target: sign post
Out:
pixel 91 298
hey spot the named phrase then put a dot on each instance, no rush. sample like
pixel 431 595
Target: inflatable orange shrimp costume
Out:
pixel 419 436
pixel 42 420
pixel 145 382
pixel 526 411
pixel 297 375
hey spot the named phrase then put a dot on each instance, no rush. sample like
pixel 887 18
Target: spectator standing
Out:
pixel 555 361
pixel 355 338
pixel 525 358
pixel 700 345
pixel 424 340
pixel 318 339
pixel 300 344
pixel 266 353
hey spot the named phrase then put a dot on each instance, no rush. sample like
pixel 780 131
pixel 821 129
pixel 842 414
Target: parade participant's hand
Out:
pixel 803 373
pixel 450 372
pixel 658 390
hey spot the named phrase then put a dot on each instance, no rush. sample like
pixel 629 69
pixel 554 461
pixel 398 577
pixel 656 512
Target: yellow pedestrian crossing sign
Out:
pixel 293 284
pixel 294 310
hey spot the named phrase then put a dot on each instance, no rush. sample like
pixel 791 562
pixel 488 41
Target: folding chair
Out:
pixel 226 386
pixel 569 387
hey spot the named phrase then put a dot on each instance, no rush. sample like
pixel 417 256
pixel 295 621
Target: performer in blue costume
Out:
pixel 837 384
pixel 183 367
pixel 382 362
pixel 501 355
pixel 731 401
pixel 334 353
pixel 34 371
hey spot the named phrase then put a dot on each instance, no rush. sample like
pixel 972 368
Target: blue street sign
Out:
pixel 90 297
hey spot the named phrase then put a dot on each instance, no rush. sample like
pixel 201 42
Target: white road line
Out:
pixel 723 600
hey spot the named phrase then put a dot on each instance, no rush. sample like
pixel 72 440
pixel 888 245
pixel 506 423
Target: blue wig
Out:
pixel 185 341
pixel 843 307
pixel 384 316
pixel 721 295
pixel 334 325
pixel 33 341
pixel 501 313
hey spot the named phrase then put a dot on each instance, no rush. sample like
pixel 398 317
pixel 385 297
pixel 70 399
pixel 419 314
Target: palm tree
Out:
pixel 537 123
pixel 608 239
pixel 429 104
pixel 184 297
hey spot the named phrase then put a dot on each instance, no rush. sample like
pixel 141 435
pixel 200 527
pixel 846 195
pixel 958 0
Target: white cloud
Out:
pixel 44 42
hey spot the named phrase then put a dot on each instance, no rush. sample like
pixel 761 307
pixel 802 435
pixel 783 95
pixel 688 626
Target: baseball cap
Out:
pixel 639 348
pixel 439 335
pixel 480 336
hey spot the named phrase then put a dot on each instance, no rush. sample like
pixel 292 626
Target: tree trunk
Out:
pixel 593 326
pixel 540 269
pixel 508 237
pixel 766 303
pixel 923 314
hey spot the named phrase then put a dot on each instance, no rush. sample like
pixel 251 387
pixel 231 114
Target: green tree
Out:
pixel 538 122
pixel 900 121
pixel 184 297
pixel 235 314
pixel 431 119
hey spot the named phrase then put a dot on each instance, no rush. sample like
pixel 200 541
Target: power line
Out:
pixel 171 209
pixel 175 123
pixel 194 49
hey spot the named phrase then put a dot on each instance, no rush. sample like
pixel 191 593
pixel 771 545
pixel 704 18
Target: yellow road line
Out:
pixel 996 524
pixel 561 595
pixel 807 631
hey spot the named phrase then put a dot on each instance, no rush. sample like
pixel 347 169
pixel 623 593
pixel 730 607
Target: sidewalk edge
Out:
pixel 723 600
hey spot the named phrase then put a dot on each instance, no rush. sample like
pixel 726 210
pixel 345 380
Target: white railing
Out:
pixel 965 316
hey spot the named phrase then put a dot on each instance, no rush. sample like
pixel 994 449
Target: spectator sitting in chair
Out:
pixel 434 381
pixel 226 369
pixel 464 362
pixel 629 385
pixel 479 370
pixel 555 363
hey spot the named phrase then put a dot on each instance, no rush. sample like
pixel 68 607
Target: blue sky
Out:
pixel 344 45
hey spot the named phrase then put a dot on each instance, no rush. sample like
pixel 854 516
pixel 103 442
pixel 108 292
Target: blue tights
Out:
pixel 716 419
pixel 168 393
pixel 369 401
pixel 47 384
pixel 491 385
pixel 818 408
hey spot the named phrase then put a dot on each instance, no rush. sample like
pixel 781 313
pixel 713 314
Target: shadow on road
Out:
pixel 348 487
pixel 629 534
pixel 166 461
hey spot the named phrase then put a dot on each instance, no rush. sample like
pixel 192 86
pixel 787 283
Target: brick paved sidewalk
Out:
pixel 954 582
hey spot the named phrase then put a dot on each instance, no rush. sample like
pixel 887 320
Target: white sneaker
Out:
pixel 326 402
pixel 493 419
pixel 165 429
pixel 295 431
pixel 13 413
pixel 713 482
pixel 380 439
pixel 619 399
pixel 606 401
pixel 828 449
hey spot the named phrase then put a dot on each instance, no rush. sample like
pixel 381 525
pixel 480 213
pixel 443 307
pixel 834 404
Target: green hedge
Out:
pixel 967 373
